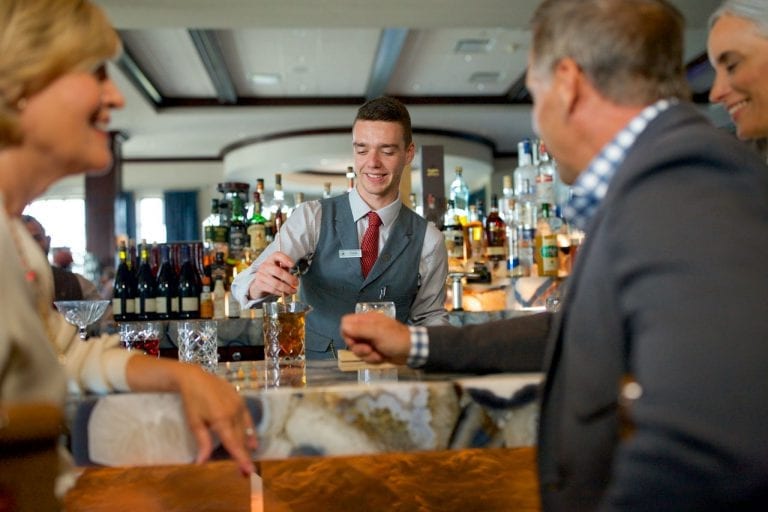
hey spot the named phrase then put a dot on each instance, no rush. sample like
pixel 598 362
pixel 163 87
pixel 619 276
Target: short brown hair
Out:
pixel 388 109
pixel 631 50
pixel 41 40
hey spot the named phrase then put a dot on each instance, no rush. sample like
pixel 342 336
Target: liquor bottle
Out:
pixel 167 305
pixel 219 299
pixel 513 251
pixel 298 198
pixel 123 292
pixel 459 194
pixel 350 179
pixel 189 292
pixel 475 237
pixel 215 230
pixel 231 305
pixel 208 225
pixel 525 216
pixel 545 179
pixel 206 299
pixel 507 201
pixel 278 196
pixel 220 268
pixel 525 171
pixel 564 246
pixel 260 187
pixel 453 233
pixel 257 228
pixel 276 207
pixel 546 252
pixel 237 229
pixel 146 287
pixel 327 190
pixel 496 238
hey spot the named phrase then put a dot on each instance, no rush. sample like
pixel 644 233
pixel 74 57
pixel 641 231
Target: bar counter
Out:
pixel 493 479
pixel 318 410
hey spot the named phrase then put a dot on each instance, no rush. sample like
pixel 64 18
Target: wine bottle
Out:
pixel 146 286
pixel 167 305
pixel 123 292
pixel 189 292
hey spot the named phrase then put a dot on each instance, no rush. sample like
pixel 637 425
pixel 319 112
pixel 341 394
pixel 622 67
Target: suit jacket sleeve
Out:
pixel 510 345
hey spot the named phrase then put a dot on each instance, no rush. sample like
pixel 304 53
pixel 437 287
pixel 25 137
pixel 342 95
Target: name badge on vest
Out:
pixel 350 253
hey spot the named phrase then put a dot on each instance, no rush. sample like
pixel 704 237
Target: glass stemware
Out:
pixel 82 313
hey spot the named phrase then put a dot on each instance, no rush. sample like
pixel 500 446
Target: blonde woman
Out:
pixel 55 104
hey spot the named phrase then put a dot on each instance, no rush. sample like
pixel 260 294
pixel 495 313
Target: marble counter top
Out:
pixel 319 410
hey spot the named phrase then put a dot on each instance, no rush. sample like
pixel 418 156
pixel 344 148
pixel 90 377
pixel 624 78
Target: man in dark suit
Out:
pixel 665 320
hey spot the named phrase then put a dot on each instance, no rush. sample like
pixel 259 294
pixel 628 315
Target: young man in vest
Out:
pixel 362 246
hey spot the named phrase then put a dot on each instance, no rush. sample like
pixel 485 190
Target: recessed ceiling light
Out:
pixel 473 46
pixel 484 77
pixel 265 78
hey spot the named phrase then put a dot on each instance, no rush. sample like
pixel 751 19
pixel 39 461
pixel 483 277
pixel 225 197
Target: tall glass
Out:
pixel 198 343
pixel 373 374
pixel 284 332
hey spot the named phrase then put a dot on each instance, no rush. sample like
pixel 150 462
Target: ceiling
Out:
pixel 204 79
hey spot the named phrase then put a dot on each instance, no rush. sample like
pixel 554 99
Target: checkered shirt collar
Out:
pixel 590 187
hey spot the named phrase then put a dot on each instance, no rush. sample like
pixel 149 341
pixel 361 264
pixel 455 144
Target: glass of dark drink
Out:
pixel 284 332
pixel 150 338
pixel 144 336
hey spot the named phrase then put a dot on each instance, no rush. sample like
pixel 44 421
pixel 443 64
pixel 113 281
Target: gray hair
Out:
pixel 755 11
pixel 630 50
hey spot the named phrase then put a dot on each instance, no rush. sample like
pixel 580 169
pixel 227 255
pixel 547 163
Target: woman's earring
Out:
pixel 21 104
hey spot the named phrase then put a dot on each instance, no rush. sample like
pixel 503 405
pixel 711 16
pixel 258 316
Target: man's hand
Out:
pixel 376 338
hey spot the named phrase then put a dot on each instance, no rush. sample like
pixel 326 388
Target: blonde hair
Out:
pixel 41 40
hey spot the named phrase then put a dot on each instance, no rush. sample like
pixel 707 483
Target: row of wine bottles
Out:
pixel 169 290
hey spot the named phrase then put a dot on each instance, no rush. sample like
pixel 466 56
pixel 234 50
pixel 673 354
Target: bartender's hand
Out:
pixel 376 338
pixel 273 277
pixel 211 404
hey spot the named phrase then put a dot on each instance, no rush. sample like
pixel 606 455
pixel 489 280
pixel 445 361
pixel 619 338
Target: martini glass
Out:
pixel 82 313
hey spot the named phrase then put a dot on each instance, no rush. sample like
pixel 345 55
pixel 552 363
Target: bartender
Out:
pixel 365 245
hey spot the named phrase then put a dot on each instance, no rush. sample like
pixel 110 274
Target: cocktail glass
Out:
pixel 82 313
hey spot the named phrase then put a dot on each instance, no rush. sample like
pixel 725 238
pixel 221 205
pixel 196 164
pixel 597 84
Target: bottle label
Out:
pixel 237 240
pixel 165 305
pixel 149 305
pixel 190 304
pixel 454 242
pixel 492 251
pixel 220 234
pixel 258 236
pixel 549 255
